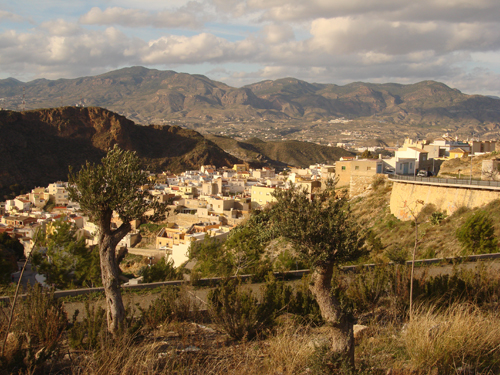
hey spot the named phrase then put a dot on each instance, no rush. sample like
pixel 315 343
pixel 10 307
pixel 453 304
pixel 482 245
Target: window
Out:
pixel 356 168
pixel 343 167
pixel 368 168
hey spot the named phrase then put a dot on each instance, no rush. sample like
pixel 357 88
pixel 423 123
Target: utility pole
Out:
pixel 470 180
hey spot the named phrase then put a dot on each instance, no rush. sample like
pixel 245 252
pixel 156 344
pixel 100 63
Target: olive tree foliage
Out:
pixel 322 230
pixel 114 186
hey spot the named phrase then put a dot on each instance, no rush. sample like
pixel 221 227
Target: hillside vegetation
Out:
pixel 279 153
pixel 390 239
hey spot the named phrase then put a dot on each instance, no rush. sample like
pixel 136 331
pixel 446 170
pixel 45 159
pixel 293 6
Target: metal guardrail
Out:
pixel 288 275
pixel 449 181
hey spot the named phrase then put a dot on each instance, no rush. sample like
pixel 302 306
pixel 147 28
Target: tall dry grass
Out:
pixel 461 338
pixel 287 351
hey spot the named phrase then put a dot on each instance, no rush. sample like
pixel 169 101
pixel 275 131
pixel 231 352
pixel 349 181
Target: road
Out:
pixel 28 275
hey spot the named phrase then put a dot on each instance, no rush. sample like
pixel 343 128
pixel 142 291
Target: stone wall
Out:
pixel 407 197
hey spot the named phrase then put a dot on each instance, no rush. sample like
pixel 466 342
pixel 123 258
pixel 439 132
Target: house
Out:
pixel 18 204
pixel 240 168
pixel 478 147
pixel 177 241
pixel 19 221
pixel 458 153
pixel 447 143
pixel 265 172
pixel 262 195
pixel 357 174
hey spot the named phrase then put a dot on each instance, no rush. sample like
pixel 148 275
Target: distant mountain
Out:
pixel 36 147
pixel 279 153
pixel 152 96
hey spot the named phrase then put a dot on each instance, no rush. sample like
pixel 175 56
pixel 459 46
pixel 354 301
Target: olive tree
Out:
pixel 114 186
pixel 323 232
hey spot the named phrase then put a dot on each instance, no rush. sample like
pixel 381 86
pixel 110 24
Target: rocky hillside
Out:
pixel 152 96
pixel 36 147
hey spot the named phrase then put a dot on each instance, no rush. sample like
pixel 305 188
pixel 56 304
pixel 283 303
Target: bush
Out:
pixel 38 327
pixel 242 315
pixel 437 217
pixel 163 270
pixel 378 182
pixel 397 255
pixel 174 304
pixel 477 234
pixel 90 332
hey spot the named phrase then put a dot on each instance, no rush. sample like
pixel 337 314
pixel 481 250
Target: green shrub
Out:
pixel 437 217
pixel 397 255
pixel 477 234
pixel 237 311
pixel 163 270
pixel 174 304
pixel 368 287
pixel 242 315
pixel 90 332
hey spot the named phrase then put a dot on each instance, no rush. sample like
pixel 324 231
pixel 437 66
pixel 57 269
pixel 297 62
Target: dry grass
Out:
pixel 285 352
pixel 458 339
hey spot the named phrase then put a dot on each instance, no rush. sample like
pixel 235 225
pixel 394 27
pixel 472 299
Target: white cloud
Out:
pixel 184 17
pixel 61 27
pixel 320 40
pixel 275 33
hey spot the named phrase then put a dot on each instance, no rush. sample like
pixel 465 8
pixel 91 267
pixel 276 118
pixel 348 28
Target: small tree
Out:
pixel 62 256
pixel 113 186
pixel 324 233
pixel 477 234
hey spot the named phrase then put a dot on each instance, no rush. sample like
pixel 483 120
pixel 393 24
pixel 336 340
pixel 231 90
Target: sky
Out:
pixel 238 42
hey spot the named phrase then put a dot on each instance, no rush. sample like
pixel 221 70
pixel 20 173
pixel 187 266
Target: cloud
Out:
pixel 61 27
pixel 348 35
pixel 275 33
pixel 422 10
pixel 320 40
pixel 4 15
pixel 185 17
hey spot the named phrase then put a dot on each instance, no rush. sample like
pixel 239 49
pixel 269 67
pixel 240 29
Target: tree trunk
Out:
pixel 115 311
pixel 342 338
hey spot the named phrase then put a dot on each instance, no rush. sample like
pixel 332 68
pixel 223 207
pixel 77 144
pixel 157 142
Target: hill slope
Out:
pixel 36 147
pixel 281 153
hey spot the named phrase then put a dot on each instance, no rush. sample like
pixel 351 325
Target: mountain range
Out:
pixel 150 96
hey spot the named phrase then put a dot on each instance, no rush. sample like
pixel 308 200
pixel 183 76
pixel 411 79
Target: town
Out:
pixel 211 201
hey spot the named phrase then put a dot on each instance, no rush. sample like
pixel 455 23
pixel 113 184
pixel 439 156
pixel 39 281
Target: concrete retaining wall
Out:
pixel 407 197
